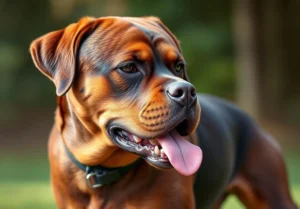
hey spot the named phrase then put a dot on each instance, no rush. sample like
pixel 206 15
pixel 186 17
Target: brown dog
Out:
pixel 126 113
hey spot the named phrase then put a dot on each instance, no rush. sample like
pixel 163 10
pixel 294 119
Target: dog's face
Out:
pixel 125 79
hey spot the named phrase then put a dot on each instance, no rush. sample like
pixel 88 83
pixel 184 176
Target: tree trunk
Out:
pixel 247 53
pixel 268 69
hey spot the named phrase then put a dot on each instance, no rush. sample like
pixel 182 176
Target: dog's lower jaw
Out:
pixel 120 158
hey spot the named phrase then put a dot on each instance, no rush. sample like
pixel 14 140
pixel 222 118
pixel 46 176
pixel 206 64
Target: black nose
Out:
pixel 182 92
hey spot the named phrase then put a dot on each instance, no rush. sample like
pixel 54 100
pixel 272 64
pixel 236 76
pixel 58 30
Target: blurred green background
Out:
pixel 244 50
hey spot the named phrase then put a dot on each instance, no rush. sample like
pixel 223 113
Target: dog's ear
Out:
pixel 54 54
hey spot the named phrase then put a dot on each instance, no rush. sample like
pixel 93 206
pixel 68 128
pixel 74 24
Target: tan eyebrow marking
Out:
pixel 138 50
pixel 169 53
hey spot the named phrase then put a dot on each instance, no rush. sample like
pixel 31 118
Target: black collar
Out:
pixel 97 176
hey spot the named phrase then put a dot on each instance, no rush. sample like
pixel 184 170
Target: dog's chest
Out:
pixel 139 202
pixel 159 192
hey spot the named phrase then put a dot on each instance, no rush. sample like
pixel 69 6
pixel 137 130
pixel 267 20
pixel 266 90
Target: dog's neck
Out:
pixel 84 139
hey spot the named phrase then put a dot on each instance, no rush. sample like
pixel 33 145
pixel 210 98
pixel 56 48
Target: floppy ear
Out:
pixel 54 54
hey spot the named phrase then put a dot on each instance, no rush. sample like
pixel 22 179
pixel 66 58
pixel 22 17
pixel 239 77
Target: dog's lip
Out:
pixel 144 148
pixel 116 130
pixel 115 126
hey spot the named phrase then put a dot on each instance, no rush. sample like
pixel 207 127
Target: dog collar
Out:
pixel 97 176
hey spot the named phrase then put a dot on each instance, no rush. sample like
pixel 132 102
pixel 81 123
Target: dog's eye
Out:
pixel 179 67
pixel 129 68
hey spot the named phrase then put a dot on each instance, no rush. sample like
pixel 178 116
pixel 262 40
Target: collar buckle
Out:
pixel 91 180
pixel 96 177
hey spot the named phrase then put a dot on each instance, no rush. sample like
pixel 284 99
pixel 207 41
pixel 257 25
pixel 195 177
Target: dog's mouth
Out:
pixel 166 151
pixel 150 149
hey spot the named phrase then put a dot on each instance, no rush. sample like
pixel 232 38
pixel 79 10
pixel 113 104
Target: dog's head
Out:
pixel 125 80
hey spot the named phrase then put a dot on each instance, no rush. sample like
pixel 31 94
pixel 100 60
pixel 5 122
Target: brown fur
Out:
pixel 87 102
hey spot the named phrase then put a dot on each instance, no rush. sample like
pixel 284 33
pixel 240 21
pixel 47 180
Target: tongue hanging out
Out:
pixel 184 156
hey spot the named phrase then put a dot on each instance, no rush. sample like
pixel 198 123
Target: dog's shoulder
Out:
pixel 232 124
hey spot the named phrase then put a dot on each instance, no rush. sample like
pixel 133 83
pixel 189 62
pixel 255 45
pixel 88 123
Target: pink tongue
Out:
pixel 183 155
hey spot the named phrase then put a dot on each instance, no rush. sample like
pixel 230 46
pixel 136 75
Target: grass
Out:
pixel 26 195
pixel 24 183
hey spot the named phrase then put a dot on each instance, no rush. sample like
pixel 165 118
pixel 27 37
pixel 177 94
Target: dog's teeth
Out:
pixel 136 139
pixel 162 153
pixel 153 141
pixel 157 151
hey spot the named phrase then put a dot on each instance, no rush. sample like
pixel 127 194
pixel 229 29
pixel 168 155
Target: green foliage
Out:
pixel 209 58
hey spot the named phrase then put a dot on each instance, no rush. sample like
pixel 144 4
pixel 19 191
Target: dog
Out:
pixel 127 131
